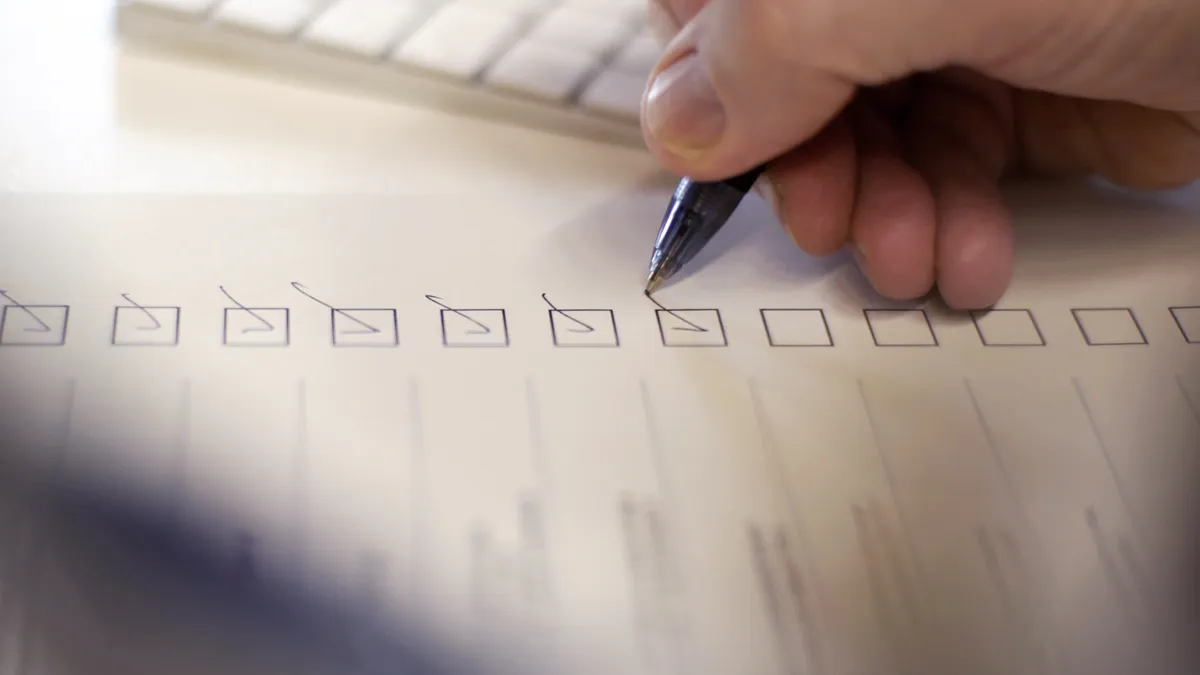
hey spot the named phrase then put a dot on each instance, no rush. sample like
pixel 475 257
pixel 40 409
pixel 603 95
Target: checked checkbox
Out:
pixel 34 325
pixel 691 328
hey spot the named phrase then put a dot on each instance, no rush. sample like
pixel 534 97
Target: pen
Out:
pixel 697 211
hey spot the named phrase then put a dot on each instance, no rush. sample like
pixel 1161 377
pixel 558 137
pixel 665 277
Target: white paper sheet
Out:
pixel 816 482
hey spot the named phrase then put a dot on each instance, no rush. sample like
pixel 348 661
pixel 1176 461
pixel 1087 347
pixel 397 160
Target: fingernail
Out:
pixel 682 109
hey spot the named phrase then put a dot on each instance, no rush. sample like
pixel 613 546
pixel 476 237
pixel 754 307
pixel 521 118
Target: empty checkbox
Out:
pixel 145 326
pixel 691 328
pixel 474 328
pixel 365 328
pixel 900 328
pixel 1008 328
pixel 1109 326
pixel 796 328
pixel 584 328
pixel 257 327
pixel 1188 320
pixel 34 325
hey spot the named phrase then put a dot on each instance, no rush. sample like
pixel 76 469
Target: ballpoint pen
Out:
pixel 698 210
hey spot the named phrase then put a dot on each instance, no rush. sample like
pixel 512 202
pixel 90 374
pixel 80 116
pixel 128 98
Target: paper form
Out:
pixel 469 405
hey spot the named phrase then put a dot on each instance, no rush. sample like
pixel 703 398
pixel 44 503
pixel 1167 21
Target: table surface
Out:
pixel 80 114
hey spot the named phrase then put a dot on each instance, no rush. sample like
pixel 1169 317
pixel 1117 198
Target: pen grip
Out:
pixel 745 182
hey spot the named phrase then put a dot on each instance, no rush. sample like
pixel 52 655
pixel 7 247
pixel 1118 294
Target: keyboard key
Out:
pixel 548 50
pixel 196 7
pixel 365 27
pixel 639 56
pixel 459 39
pixel 541 70
pixel 509 6
pixel 276 17
pixel 615 93
pixel 579 30
pixel 617 8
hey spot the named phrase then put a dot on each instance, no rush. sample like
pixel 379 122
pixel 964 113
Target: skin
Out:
pixel 889 125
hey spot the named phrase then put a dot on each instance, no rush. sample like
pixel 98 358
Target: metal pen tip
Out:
pixel 655 281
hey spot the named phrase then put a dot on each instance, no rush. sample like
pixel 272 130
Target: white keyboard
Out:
pixel 571 66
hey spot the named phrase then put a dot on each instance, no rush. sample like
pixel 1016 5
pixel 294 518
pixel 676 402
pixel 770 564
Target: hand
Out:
pixel 889 123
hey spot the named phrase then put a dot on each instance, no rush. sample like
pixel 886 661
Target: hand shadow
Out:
pixel 617 236
pixel 1065 235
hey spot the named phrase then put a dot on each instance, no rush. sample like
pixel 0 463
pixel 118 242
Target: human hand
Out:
pixel 889 124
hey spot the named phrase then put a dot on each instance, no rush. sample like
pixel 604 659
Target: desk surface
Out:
pixel 81 115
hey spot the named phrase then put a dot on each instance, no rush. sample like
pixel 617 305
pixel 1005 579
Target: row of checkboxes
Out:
pixel 46 325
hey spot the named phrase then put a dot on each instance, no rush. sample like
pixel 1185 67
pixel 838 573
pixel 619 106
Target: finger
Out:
pixel 891 99
pixel 813 190
pixel 746 81
pixel 667 17
pixel 1131 145
pixel 711 113
pixel 893 226
pixel 959 135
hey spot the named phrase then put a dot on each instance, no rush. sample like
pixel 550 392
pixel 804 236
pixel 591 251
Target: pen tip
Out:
pixel 653 282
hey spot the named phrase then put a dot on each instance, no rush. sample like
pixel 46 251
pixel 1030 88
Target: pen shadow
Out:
pixel 619 233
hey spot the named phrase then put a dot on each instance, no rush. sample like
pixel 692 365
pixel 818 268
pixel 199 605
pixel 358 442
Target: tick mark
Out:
pixel 44 328
pixel 267 326
pixel 584 328
pixel 693 328
pixel 145 311
pixel 483 329
pixel 367 329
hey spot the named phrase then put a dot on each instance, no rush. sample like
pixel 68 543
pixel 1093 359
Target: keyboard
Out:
pixel 576 67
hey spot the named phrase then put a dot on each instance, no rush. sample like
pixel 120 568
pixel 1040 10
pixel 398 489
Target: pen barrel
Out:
pixel 704 210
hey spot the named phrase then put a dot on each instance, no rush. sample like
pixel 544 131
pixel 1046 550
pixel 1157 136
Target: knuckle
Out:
pixel 855 40
pixel 773 26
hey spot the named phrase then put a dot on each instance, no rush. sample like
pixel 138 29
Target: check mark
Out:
pixel 483 328
pixel 583 327
pixel 149 315
pixel 366 328
pixel 689 326
pixel 266 326
pixel 42 327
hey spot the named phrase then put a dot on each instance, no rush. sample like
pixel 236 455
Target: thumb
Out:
pixel 747 80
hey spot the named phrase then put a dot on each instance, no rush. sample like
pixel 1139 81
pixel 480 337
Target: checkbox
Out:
pixel 796 328
pixel 34 325
pixel 1188 320
pixel 1109 326
pixel 146 327
pixel 1008 328
pixel 584 328
pixel 364 328
pixel 474 328
pixel 691 328
pixel 257 327
pixel 900 328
